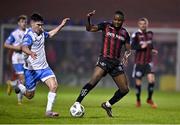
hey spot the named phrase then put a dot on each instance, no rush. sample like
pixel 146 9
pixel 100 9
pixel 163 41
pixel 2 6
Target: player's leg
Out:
pixel 138 73
pixel 31 78
pixel 52 85
pixel 47 76
pixel 138 83
pixel 151 83
pixel 19 71
pixel 97 75
pixel 20 75
pixel 122 83
pixel 20 95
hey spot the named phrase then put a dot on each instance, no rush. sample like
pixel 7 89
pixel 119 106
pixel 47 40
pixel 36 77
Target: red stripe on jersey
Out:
pixel 105 43
pixel 117 52
pixel 142 57
pixel 112 42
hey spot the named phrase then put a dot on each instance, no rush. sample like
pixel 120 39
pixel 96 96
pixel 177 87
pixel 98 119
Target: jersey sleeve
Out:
pixel 27 40
pixel 46 34
pixel 134 42
pixel 127 38
pixel 151 38
pixel 10 39
pixel 101 26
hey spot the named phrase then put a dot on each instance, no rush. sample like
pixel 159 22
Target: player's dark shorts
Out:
pixel 140 70
pixel 113 67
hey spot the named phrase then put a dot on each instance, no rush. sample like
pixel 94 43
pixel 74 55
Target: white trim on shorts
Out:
pixel 134 71
pixel 19 73
pixel 47 77
pixel 30 90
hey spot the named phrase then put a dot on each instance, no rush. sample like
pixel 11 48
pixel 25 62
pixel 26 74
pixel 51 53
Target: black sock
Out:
pixel 117 96
pixel 150 90
pixel 84 91
pixel 138 92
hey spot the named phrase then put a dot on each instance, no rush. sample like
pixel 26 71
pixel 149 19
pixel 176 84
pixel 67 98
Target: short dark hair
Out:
pixel 21 17
pixel 37 17
pixel 120 13
pixel 143 19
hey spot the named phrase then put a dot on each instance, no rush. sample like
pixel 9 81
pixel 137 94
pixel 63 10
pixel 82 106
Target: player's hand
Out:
pixel 18 48
pixel 125 61
pixel 91 13
pixel 64 21
pixel 126 56
pixel 144 45
pixel 33 55
pixel 154 51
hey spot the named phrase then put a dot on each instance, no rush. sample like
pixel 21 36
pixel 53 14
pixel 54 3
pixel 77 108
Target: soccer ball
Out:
pixel 77 110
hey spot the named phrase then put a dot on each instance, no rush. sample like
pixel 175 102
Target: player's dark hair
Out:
pixel 143 19
pixel 120 13
pixel 37 17
pixel 21 17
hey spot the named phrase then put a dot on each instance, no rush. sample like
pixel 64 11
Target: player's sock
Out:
pixel 51 99
pixel 117 96
pixel 85 90
pixel 150 90
pixel 19 96
pixel 108 104
pixel 20 87
pixel 138 92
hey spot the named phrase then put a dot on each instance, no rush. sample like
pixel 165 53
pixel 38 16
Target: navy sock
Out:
pixel 150 90
pixel 84 91
pixel 138 92
pixel 117 96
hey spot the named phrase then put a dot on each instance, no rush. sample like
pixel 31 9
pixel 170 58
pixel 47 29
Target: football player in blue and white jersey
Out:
pixel 14 42
pixel 36 66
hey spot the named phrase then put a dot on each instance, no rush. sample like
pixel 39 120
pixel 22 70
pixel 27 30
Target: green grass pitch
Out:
pixel 125 112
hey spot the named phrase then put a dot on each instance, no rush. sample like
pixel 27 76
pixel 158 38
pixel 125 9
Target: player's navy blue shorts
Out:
pixel 33 76
pixel 111 66
pixel 140 70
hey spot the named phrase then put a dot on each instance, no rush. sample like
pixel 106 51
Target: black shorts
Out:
pixel 113 67
pixel 140 70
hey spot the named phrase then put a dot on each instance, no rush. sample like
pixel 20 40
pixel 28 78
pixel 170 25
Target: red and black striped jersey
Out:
pixel 113 40
pixel 142 55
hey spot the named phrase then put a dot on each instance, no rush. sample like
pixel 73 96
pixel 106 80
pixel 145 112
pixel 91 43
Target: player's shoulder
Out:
pixel 15 32
pixel 136 33
pixel 150 32
pixel 124 30
pixel 29 34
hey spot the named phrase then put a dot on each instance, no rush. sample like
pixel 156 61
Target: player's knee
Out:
pixel 54 87
pixel 125 90
pixel 151 80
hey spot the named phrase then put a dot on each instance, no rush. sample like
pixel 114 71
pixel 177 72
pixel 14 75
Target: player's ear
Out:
pixel 31 22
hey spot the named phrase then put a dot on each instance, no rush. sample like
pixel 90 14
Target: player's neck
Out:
pixel 22 29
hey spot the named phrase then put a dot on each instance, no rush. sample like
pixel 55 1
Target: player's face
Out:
pixel 143 25
pixel 117 21
pixel 22 24
pixel 37 27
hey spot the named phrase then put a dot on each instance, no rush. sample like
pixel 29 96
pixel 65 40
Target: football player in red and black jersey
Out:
pixel 110 59
pixel 142 43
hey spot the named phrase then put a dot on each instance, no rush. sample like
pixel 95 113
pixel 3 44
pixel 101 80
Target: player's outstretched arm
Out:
pixel 58 28
pixel 90 27
pixel 9 46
